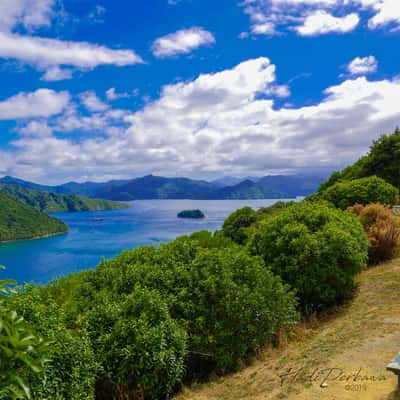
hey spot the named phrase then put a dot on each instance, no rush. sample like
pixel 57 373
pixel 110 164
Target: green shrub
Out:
pixel 316 249
pixel 71 368
pixel 274 208
pixel 382 229
pixel 227 301
pixel 361 191
pixel 21 352
pixel 235 225
pixel 139 346
pixel 211 240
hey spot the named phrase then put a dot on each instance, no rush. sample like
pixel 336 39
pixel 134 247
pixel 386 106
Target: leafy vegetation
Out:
pixel 382 229
pixel 20 221
pixel 20 350
pixel 139 324
pixel 314 248
pixel 49 202
pixel 235 226
pixel 195 214
pixel 382 161
pixel 140 347
pixel 361 191
pixel 71 368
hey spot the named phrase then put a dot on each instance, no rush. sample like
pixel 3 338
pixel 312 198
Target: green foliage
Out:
pixel 316 249
pixel 228 302
pixel 274 208
pixel 196 214
pixel 235 225
pixel 49 202
pixel 138 344
pixel 137 323
pixel 361 191
pixel 19 221
pixel 20 350
pixel 382 160
pixel 210 240
pixel 71 368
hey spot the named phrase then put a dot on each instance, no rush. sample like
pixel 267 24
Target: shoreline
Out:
pixel 35 238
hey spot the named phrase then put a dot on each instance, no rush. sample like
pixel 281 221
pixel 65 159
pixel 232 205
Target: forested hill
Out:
pixel 158 187
pixel 383 161
pixel 20 221
pixel 53 202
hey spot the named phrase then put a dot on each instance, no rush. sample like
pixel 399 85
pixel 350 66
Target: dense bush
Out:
pixel 21 352
pixel 361 191
pixel 210 240
pixel 382 229
pixel 316 249
pixel 228 302
pixel 235 225
pixel 71 369
pixel 274 208
pixel 139 346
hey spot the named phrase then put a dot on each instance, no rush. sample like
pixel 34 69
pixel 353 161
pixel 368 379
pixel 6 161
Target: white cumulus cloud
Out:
pixel 182 42
pixel 311 17
pixel 28 13
pixel 225 121
pixel 41 103
pixel 48 54
pixel 112 94
pixel 92 102
pixel 322 22
pixel 363 65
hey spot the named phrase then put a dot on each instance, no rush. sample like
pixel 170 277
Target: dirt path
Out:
pixel 341 358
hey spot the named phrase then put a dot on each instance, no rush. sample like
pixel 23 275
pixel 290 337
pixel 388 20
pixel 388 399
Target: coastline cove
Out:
pixel 95 235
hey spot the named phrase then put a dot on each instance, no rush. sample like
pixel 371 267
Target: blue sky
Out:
pixel 95 90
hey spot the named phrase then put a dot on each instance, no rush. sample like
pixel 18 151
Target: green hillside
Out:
pixel 53 202
pixel 20 221
pixel 383 161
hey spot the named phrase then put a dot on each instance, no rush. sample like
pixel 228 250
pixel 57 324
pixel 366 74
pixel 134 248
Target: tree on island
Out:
pixel 195 214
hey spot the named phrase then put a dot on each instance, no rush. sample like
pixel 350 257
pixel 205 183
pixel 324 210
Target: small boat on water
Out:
pixel 97 219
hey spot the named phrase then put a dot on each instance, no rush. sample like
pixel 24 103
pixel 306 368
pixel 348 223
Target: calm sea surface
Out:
pixel 93 235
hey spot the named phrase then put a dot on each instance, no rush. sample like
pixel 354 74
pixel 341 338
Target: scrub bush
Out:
pixel 314 248
pixel 235 225
pixel 227 301
pixel 361 191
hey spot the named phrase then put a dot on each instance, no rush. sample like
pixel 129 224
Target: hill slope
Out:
pixel 157 187
pixel 382 160
pixel 20 221
pixel 50 202
pixel 365 334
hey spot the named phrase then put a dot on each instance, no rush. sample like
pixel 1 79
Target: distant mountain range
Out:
pixel 157 187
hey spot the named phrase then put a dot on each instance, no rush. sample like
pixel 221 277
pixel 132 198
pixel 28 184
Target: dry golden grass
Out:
pixel 364 334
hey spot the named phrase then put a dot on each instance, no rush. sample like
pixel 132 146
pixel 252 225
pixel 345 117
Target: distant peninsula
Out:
pixel 50 202
pixel 194 214
pixel 19 221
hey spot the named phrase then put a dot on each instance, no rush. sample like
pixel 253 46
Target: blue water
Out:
pixel 93 235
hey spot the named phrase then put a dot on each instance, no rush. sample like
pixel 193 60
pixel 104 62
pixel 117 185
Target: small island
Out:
pixel 194 214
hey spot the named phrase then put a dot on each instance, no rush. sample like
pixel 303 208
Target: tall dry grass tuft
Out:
pixel 382 229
